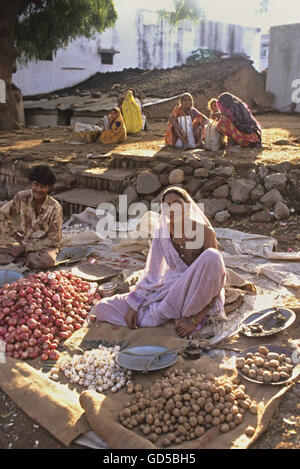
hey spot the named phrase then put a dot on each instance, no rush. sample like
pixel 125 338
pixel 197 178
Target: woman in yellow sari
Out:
pixel 116 132
pixel 131 113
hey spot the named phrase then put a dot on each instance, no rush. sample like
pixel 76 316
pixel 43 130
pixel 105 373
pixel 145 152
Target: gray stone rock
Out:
pixel 225 171
pixel 188 170
pixel 240 190
pixel 281 211
pixel 192 160
pixel 146 203
pixel 257 207
pixel 257 193
pixel 261 217
pixel 164 179
pixel 176 176
pixel 221 192
pixel 147 183
pixel 237 209
pixel 201 173
pixel 275 181
pixel 283 141
pixel 132 195
pixel 161 167
pixel 193 186
pixel 282 167
pixel 220 217
pixel 252 174
pixel 212 184
pixel 198 196
pixel 263 171
pixel 271 198
pixel 212 206
pixel 206 164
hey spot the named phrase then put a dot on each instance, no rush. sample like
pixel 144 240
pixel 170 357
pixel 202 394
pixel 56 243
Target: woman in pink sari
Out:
pixel 184 277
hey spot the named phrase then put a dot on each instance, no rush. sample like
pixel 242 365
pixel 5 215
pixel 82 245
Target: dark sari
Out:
pixel 249 129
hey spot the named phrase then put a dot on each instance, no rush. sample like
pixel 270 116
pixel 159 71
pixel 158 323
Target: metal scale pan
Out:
pixel 267 322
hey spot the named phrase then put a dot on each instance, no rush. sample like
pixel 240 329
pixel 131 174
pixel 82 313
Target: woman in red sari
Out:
pixel 237 122
pixel 185 124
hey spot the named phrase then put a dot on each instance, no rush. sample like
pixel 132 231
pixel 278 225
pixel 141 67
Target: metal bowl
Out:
pixel 9 276
pixel 273 348
pixel 146 358
pixel 288 315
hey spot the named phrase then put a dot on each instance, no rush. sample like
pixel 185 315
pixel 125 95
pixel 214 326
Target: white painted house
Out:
pixel 139 39
pixel 283 77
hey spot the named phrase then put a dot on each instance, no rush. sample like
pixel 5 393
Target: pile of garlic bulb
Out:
pixel 75 229
pixel 96 369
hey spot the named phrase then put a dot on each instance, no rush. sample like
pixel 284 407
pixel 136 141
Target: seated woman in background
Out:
pixel 185 124
pixel 180 282
pixel 237 121
pixel 214 112
pixel 116 130
pixel 131 113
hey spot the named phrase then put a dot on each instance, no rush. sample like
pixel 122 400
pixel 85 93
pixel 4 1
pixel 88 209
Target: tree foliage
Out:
pixel 183 10
pixel 45 26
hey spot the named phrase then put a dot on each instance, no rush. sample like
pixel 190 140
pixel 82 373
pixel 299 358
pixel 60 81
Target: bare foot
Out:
pixel 185 327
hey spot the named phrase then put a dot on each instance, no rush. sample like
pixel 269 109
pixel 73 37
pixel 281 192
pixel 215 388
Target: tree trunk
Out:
pixel 8 54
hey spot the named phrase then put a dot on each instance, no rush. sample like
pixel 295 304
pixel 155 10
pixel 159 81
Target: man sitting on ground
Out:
pixel 40 219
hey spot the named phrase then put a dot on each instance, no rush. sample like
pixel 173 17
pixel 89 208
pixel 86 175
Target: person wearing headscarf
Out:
pixel 237 121
pixel 116 131
pixel 138 101
pixel 214 113
pixel 131 113
pixel 186 123
pixel 184 276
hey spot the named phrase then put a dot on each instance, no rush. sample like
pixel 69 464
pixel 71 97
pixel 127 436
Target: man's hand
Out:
pixel 131 319
pixel 16 251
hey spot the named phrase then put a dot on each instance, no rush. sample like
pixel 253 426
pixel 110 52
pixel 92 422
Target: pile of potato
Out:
pixel 181 406
pixel 266 366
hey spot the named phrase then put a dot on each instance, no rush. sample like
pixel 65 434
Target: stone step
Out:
pixel 77 200
pixel 113 180
pixel 134 159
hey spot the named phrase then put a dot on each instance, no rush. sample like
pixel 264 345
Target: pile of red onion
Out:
pixel 38 312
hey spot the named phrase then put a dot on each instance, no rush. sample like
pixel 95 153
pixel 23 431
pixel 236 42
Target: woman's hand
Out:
pixel 184 137
pixel 131 319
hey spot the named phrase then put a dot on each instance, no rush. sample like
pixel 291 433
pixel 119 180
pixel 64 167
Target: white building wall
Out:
pixel 143 41
pixel 283 77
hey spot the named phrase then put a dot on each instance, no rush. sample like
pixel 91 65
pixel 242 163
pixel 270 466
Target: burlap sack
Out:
pixel 56 406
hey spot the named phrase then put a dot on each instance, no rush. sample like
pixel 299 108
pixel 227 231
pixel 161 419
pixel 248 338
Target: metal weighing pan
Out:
pixel 270 320
pixel 94 272
pixel 9 276
pixel 146 358
pixel 273 348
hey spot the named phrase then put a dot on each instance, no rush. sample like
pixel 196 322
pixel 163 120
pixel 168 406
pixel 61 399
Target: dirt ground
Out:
pixel 51 146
